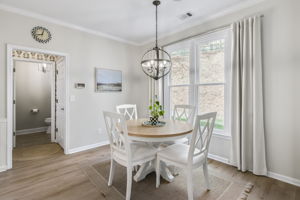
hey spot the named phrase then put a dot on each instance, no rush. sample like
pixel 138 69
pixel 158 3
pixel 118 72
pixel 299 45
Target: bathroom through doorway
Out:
pixel 34 102
pixel 37 106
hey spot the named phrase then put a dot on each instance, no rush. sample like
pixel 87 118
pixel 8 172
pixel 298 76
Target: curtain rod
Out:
pixel 202 34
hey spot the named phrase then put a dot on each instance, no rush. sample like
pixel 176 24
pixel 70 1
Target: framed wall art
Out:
pixel 108 80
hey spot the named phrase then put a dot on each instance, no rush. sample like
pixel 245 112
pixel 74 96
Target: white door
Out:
pixel 60 102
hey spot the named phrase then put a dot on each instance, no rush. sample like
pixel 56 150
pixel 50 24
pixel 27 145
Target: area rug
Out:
pixel 35 152
pixel 176 190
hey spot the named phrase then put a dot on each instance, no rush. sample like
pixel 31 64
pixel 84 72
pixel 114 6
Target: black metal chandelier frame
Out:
pixel 159 66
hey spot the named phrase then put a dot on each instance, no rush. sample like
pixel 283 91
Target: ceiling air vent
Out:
pixel 185 16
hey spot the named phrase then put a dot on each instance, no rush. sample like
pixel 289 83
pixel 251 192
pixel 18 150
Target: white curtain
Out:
pixel 247 117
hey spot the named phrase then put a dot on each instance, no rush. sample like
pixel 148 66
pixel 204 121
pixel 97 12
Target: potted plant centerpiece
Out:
pixel 156 111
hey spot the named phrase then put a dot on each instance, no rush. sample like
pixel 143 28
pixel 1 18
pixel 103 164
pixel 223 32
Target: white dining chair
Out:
pixel 184 113
pixel 123 150
pixel 128 110
pixel 192 156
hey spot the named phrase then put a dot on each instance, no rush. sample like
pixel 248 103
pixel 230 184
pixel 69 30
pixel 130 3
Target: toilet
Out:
pixel 48 123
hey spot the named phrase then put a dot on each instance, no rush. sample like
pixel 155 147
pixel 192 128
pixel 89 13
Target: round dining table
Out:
pixel 156 136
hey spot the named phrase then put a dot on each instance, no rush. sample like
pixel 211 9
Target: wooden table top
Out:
pixel 171 129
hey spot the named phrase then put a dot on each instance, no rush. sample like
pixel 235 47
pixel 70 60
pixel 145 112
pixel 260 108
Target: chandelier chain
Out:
pixel 156 44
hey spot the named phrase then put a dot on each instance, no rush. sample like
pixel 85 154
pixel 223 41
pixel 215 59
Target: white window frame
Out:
pixel 193 45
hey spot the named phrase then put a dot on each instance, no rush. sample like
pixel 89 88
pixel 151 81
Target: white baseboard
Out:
pixel 277 176
pixel 285 179
pixel 218 158
pixel 3 168
pixel 32 130
pixel 87 147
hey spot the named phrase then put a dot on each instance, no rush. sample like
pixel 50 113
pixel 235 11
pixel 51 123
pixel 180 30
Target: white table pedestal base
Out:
pixel 149 167
pixel 172 131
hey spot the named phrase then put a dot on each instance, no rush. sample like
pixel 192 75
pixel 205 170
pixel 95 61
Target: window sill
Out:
pixel 225 136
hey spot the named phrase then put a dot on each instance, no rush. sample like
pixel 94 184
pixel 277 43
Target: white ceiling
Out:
pixel 132 21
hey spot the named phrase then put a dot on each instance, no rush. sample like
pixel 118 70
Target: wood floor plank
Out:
pixel 232 192
pixel 32 139
pixel 73 177
pixel 261 189
pixel 279 192
pixel 35 178
pixel 297 195
pixel 83 190
pixel 49 187
pixel 109 193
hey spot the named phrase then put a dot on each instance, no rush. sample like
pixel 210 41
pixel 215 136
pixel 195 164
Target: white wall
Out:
pixel 281 49
pixel 33 90
pixel 3 127
pixel 86 52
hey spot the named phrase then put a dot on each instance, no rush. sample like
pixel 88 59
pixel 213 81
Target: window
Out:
pixel 180 76
pixel 200 77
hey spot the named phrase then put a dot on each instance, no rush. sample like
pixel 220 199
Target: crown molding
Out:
pixel 34 15
pixel 63 23
pixel 196 22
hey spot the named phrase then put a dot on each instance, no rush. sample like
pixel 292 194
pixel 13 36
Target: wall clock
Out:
pixel 41 34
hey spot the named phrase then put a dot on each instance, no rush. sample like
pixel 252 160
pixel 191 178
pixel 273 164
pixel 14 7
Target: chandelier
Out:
pixel 156 62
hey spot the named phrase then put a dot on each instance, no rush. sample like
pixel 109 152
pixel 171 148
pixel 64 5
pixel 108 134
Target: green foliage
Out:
pixel 156 110
pixel 219 124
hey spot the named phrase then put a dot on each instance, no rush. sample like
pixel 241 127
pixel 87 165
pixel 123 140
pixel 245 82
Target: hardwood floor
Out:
pixel 73 177
pixel 32 139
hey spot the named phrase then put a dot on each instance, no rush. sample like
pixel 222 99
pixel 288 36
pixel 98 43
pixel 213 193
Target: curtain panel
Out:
pixel 247 111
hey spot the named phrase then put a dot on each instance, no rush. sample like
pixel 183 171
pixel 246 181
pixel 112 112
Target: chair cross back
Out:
pixel 202 134
pixel 128 110
pixel 117 132
pixel 184 112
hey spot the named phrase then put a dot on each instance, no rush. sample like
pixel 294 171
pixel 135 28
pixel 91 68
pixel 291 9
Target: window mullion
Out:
pixel 192 74
pixel 227 67
pixel 210 84
pixel 198 65
pixel 167 96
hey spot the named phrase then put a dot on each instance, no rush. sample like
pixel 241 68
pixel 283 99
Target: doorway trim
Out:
pixel 10 90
